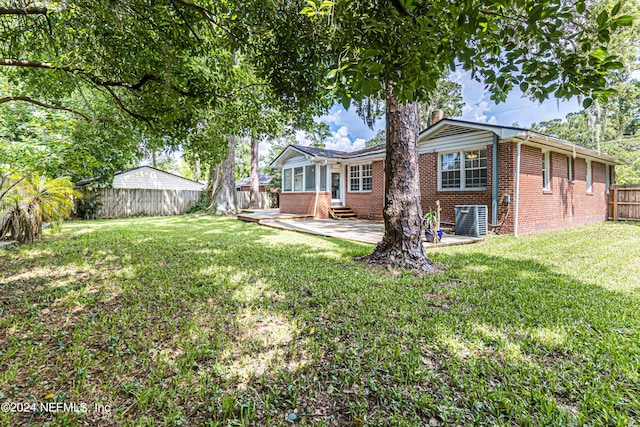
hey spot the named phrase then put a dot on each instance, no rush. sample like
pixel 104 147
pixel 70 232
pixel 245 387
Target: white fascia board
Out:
pixel 502 132
pixel 277 163
pixel 542 141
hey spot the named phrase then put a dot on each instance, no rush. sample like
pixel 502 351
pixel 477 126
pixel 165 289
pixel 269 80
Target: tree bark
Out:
pixel 401 245
pixel 221 188
pixel 254 186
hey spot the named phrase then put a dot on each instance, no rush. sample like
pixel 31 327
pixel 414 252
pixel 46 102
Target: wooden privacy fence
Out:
pixel 624 202
pixel 267 200
pixel 125 202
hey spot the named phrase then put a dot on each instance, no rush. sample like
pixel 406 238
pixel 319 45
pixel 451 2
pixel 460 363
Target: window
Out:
pixel 323 178
pixel 546 182
pixel 475 168
pixel 310 178
pixel 367 179
pixel 360 178
pixel 298 176
pixel 589 179
pixel 570 168
pixel 286 180
pixel 469 174
pixel 354 178
pixel 450 170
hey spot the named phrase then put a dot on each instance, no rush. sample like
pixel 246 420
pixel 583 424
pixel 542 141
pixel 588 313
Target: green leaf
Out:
pixel 616 9
pixel 587 103
pixel 370 53
pixel 625 20
pixel 374 67
pixel 346 102
pixel 602 18
pixel 524 86
pixel 581 6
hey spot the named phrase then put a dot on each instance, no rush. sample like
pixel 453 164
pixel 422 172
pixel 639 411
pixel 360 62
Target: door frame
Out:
pixel 340 173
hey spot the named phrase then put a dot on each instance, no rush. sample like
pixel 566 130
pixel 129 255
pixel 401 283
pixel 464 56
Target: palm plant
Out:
pixel 35 201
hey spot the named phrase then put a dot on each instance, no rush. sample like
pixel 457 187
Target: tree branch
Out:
pixel 206 13
pixel 23 10
pixel 397 4
pixel 125 109
pixel 93 79
pixel 43 104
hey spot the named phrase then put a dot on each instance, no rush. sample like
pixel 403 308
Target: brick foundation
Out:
pixel 303 203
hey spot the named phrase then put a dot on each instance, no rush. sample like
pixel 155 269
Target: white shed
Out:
pixel 150 178
pixel 144 190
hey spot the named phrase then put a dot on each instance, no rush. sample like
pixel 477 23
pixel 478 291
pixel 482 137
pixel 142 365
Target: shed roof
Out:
pixel 263 179
pixel 88 181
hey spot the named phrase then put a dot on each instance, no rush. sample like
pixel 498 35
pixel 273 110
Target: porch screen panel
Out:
pixel 310 178
pixel 287 179
pixel 323 178
pixel 450 166
pixel 298 174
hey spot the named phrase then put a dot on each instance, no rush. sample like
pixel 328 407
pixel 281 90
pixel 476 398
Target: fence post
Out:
pixel 615 204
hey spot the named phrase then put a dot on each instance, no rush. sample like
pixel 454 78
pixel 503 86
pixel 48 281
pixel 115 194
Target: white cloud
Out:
pixel 335 116
pixel 478 112
pixel 339 140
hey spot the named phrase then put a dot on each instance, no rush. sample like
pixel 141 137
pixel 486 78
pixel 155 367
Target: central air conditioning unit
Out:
pixel 471 220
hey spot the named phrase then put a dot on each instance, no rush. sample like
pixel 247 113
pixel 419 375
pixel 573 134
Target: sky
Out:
pixel 348 131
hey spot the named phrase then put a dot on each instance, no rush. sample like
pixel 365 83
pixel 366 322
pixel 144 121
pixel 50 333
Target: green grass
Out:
pixel 203 321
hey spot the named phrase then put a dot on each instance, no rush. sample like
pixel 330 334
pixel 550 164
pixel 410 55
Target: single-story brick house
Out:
pixel 550 183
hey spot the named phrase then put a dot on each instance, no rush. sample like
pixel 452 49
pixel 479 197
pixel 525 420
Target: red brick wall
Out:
pixel 566 204
pixel 368 205
pixel 428 164
pixel 302 203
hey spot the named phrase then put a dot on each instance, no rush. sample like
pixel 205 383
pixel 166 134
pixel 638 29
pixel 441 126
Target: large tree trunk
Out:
pixel 221 187
pixel 401 245
pixel 254 185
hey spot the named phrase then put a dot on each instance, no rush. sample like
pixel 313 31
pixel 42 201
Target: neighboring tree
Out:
pixel 447 97
pixel 379 138
pixel 319 134
pixel 399 51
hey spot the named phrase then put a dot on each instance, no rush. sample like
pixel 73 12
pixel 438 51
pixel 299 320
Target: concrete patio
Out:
pixel 357 230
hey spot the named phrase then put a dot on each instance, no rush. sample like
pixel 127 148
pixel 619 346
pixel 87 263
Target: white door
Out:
pixel 336 189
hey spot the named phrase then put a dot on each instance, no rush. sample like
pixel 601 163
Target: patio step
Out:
pixel 341 212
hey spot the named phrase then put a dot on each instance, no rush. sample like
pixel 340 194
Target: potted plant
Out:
pixel 431 224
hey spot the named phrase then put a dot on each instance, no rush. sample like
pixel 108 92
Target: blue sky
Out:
pixel 350 133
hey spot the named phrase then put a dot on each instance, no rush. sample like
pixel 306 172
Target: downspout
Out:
pixel 494 181
pixel 517 208
pixel 315 205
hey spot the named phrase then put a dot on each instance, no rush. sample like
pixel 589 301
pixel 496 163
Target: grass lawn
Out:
pixel 204 321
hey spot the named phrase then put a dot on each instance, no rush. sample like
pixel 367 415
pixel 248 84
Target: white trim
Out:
pixel 361 177
pixel 589 178
pixel 457 142
pixel 546 170
pixel 570 175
